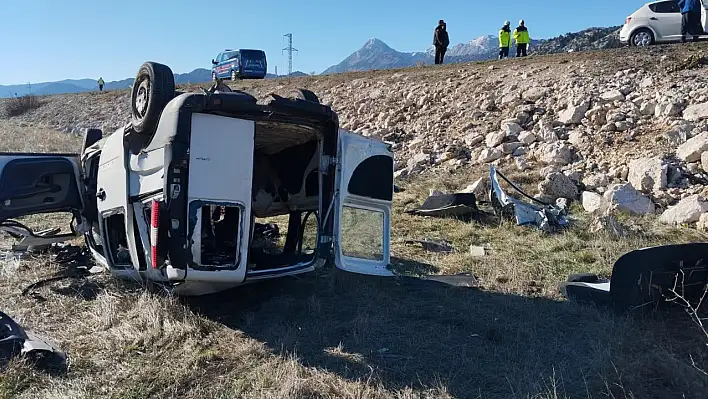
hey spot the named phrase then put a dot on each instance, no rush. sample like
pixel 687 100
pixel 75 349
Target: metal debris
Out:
pixel 546 217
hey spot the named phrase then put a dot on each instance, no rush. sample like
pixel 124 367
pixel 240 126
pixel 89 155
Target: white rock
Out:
pixel 688 210
pixel 511 128
pixel 696 112
pixel 480 188
pixel 592 201
pixel 522 164
pixel 477 251
pixel 575 137
pixel 495 138
pixel 489 155
pixel 508 148
pixel 527 137
pixel 574 114
pixel 704 161
pixel 624 198
pixel 672 109
pixel 691 150
pixel 647 108
pixel 702 224
pixel 418 160
pixel 557 185
pixel 534 94
pixel 472 139
pixel 556 154
pixel 596 180
pixel 612 95
pixel 647 174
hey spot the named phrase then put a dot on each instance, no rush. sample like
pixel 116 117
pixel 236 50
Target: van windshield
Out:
pixel 253 54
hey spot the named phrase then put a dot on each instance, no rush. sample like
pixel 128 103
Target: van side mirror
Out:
pixel 213 61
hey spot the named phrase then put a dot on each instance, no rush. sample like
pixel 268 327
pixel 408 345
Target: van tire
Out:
pixel 234 76
pixel 304 94
pixel 153 88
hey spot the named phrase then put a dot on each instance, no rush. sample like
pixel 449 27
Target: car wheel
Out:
pixel 234 77
pixel 641 38
pixel 213 76
pixel 153 88
pixel 304 94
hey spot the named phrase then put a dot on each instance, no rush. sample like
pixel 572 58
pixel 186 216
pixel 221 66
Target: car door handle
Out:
pixel 654 18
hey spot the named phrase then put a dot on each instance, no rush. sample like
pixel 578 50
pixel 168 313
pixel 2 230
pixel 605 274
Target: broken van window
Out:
pixel 362 233
pixel 219 233
pixel 116 238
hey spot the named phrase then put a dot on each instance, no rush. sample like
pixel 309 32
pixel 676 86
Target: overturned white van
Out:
pixel 173 197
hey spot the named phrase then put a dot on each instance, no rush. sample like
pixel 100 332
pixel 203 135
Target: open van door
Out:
pixel 39 183
pixel 704 16
pixel 362 214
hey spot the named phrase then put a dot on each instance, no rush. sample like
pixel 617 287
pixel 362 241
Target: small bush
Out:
pixel 16 106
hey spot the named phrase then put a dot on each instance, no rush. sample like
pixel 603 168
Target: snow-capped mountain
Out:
pixel 375 54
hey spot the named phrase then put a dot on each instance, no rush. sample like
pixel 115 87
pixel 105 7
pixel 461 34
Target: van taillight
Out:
pixel 628 20
pixel 154 225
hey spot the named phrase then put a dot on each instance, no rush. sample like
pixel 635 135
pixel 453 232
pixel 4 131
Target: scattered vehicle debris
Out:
pixel 15 341
pixel 431 245
pixel 645 278
pixel 462 206
pixel 546 217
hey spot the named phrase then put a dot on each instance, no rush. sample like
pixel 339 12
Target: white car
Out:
pixel 657 22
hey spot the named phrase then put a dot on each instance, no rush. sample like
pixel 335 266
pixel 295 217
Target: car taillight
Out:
pixel 628 20
pixel 154 225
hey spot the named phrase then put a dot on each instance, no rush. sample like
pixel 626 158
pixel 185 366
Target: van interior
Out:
pixel 285 203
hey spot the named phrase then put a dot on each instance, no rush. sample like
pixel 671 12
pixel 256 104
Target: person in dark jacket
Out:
pixel 690 19
pixel 504 40
pixel 440 40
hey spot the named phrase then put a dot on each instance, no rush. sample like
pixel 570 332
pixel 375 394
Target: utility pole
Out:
pixel 290 50
pixel 276 70
pixel 29 88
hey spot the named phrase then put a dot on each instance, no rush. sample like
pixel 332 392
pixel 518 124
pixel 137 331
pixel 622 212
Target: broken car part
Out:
pixel 430 245
pixel 461 206
pixel 645 278
pixel 15 341
pixel 546 217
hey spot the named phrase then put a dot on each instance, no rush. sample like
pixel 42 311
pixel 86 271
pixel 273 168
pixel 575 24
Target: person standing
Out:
pixel 504 40
pixel 100 84
pixel 440 40
pixel 690 19
pixel 522 39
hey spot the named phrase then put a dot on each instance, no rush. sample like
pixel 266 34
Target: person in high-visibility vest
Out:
pixel 522 39
pixel 100 84
pixel 504 40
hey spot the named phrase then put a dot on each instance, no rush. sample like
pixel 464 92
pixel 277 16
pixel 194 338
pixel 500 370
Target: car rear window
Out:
pixel 665 7
pixel 253 54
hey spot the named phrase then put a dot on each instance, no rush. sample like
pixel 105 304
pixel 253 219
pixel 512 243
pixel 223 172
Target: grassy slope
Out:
pixel 340 335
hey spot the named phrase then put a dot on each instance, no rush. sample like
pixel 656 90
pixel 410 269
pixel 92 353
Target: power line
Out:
pixel 290 50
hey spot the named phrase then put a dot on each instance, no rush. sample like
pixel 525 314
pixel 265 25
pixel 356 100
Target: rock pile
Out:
pixel 613 130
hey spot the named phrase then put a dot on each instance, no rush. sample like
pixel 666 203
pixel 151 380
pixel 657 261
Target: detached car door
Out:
pixel 362 214
pixel 39 183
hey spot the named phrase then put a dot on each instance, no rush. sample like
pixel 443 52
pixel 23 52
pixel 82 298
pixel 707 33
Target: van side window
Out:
pixel 117 239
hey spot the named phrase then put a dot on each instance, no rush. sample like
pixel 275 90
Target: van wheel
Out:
pixel 153 88
pixel 641 38
pixel 304 94
pixel 234 77
pixel 213 76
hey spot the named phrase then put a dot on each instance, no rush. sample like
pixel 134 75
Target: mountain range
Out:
pixel 199 75
pixel 375 54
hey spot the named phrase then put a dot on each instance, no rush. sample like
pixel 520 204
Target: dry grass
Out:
pixel 16 106
pixel 337 335
pixel 22 138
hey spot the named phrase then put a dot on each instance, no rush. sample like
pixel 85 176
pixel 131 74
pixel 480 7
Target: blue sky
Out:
pixel 48 40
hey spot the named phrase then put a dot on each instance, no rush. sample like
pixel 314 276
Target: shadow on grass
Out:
pixel 404 333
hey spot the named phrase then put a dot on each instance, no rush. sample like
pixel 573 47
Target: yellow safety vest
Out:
pixel 504 38
pixel 521 37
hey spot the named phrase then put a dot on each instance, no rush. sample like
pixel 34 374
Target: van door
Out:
pixel 39 183
pixel 704 16
pixel 362 214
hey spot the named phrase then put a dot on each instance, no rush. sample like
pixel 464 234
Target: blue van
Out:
pixel 239 64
